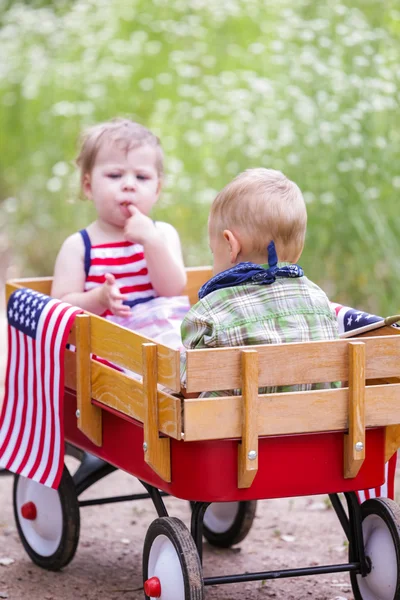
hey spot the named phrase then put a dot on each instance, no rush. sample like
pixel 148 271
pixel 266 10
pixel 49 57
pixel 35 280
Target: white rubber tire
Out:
pixel 381 533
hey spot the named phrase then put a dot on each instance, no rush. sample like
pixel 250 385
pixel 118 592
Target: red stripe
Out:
pixel 12 421
pixel 367 496
pixel 129 289
pixel 3 411
pixel 121 260
pixel 114 245
pixel 22 402
pixel 101 278
pixel 391 475
pixel 42 397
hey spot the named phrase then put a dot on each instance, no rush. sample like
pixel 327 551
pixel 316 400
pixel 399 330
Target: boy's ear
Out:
pixel 87 186
pixel 234 245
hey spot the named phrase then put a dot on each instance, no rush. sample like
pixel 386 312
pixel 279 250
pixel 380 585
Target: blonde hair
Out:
pixel 124 133
pixel 263 206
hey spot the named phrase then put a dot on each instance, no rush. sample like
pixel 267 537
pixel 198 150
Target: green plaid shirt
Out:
pixel 288 310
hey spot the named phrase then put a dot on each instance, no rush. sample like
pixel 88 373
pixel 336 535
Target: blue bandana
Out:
pixel 248 272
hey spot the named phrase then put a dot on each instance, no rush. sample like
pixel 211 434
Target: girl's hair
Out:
pixel 126 134
pixel 263 205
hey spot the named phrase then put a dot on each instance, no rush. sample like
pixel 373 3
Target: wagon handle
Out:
pixel 248 448
pixel 354 440
pixel 156 450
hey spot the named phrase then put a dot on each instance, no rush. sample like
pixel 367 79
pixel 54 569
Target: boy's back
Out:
pixel 258 219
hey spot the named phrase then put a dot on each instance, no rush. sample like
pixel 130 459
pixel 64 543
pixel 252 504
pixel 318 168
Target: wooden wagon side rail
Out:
pixel 349 409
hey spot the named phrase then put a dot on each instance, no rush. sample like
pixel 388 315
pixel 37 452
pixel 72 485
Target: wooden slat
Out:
pixel 88 415
pixel 354 440
pixel 289 413
pixel 294 363
pixel 248 448
pixel 10 288
pixel 124 348
pixel 121 392
pixel 196 277
pixel 124 394
pixel 157 451
pixel 392 440
pixel 39 284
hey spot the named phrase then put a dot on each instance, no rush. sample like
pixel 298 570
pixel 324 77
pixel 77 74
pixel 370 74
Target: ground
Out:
pixel 107 566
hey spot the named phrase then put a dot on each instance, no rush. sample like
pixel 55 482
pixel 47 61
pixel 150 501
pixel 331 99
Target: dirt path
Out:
pixel 107 566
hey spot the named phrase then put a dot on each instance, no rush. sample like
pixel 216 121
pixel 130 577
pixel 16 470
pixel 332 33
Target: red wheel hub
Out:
pixel 152 587
pixel 28 511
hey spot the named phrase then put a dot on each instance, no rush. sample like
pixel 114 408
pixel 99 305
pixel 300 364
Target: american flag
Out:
pixel 31 424
pixel 352 322
pixel 351 319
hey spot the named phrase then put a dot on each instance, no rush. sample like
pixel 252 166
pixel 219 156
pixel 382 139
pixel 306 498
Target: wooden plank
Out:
pixel 121 392
pixel 293 363
pixel 196 277
pixel 392 440
pixel 354 440
pixel 124 348
pixel 289 413
pixel 88 415
pixel 248 448
pixel 70 370
pixel 11 287
pixel 157 451
pixel 39 284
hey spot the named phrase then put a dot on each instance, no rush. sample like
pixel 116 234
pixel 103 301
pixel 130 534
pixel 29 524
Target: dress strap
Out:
pixel 88 247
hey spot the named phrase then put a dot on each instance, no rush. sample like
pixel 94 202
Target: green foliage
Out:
pixel 310 88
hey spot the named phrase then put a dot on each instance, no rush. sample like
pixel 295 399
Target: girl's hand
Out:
pixel 112 298
pixel 139 228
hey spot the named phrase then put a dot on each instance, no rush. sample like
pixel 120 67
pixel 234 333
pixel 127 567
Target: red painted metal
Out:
pixel 28 511
pixel 152 587
pixel 295 465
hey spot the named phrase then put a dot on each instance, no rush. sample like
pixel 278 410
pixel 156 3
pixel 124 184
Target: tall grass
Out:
pixel 311 88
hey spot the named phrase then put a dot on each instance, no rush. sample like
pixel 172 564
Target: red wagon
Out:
pixel 224 453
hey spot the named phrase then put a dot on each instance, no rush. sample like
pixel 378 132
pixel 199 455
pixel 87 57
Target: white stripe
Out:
pixel 384 486
pixel 16 426
pixel 39 394
pixel 57 433
pixel 52 364
pixel 121 252
pixel 29 402
pixel 372 493
pixel 361 495
pixel 122 282
pixel 10 382
pixel 134 267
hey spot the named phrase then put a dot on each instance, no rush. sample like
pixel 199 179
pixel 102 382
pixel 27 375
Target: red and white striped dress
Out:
pixel 124 260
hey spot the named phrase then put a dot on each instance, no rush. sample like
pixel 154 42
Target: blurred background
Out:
pixel 311 88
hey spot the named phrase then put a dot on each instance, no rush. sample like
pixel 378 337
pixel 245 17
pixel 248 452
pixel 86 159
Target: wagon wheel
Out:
pixel 47 520
pixel 171 564
pixel 228 523
pixel 381 532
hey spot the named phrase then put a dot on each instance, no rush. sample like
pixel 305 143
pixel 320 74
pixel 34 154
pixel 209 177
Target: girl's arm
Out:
pixel 69 282
pixel 164 260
